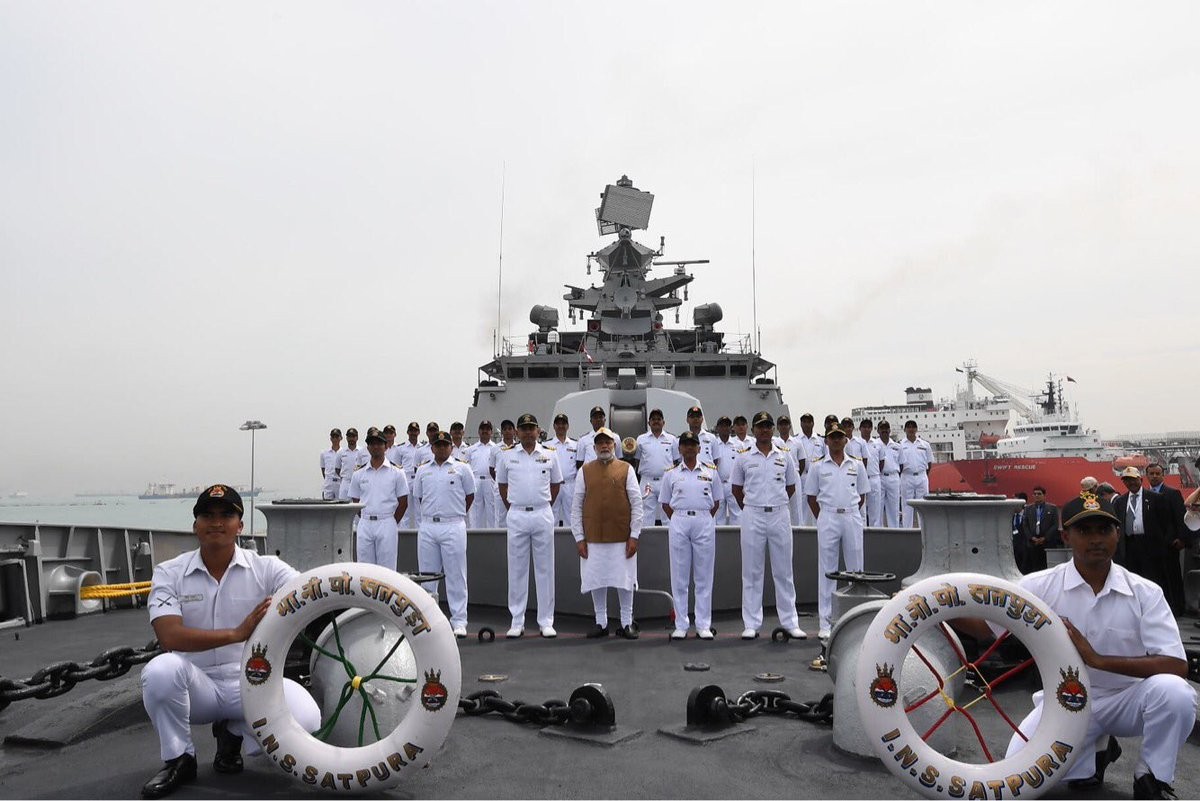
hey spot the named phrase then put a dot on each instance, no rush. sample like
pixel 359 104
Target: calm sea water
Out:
pixel 113 510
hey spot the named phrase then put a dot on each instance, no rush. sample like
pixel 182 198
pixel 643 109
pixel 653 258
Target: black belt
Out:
pixel 891 474
pixel 690 512
pixel 528 508
pixel 841 510
pixel 484 478
pixel 446 518
pixel 916 472
pixel 765 508
pixel 379 517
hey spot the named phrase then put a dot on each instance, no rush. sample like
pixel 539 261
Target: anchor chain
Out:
pixel 774 702
pixel 61 677
pixel 554 712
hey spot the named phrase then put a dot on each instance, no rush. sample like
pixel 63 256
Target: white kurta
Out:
pixel 606 565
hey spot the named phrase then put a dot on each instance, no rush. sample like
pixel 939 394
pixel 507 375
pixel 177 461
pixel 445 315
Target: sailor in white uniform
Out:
pixel 350 459
pixel 916 460
pixel 606 530
pixel 481 456
pixel 889 478
pixel 794 448
pixel 656 453
pixel 446 489
pixel 424 454
pixel 763 481
pixel 529 479
pixel 565 449
pixel 871 453
pixel 835 492
pixel 508 441
pixel 458 448
pixel 404 456
pixel 204 604
pixel 330 482
pixel 690 495
pixel 382 488
pixel 722 455
pixel 584 452
pixel 814 448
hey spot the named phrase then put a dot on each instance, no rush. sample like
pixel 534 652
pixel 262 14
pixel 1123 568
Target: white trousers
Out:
pixel 806 515
pixel 912 487
pixel 531 532
pixel 178 695
pixel 600 605
pixel 562 504
pixel 442 548
pixel 729 514
pixel 377 542
pixel 1160 709
pixel 652 511
pixel 501 513
pixel 891 499
pixel 836 534
pixel 329 491
pixel 761 532
pixel 344 489
pixel 482 513
pixel 874 503
pixel 693 545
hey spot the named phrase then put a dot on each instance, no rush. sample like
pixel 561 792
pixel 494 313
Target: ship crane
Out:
pixel 1050 401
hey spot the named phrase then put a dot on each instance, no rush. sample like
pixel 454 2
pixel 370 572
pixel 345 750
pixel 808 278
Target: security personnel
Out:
pixel 203 605
pixel 404 456
pixel 565 450
pixel 445 488
pixel 330 482
pixel 481 456
pixel 836 490
pixel 889 475
pixel 584 452
pixel 763 480
pixel 690 496
pixel 508 441
pixel 350 459
pixel 795 449
pixel 871 450
pixel 916 460
pixel 382 488
pixel 814 448
pixel 656 452
pixel 529 478
pixel 606 521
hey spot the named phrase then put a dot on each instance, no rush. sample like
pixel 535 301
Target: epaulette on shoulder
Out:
pixel 669 469
pixel 360 467
pixel 784 448
pixel 393 464
pixel 461 461
pixel 818 459
pixel 506 447
pixel 549 447
pixel 709 466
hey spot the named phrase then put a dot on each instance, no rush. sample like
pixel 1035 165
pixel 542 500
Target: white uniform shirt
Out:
pixel 379 488
pixel 795 449
pixel 585 449
pixel 424 454
pixel 406 458
pixel 814 446
pixel 459 452
pixel 869 453
pixel 329 464
pixel 837 486
pixel 685 489
pixel 500 449
pixel 915 457
pixel 890 452
pixel 656 455
pixel 723 450
pixel 351 460
pixel 442 489
pixel 764 477
pixel 711 448
pixel 1129 617
pixel 566 452
pixel 480 456
pixel 183 586
pixel 528 475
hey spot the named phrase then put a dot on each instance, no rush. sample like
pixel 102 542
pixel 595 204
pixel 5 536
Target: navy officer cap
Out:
pixel 218 495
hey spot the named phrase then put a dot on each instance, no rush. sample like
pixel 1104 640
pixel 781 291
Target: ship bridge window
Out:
pixel 709 370
pixel 737 369
pixel 543 371
pixel 570 372
pixel 516 372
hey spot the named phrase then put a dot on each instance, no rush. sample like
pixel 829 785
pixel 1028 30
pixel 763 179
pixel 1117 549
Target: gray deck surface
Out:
pixel 491 758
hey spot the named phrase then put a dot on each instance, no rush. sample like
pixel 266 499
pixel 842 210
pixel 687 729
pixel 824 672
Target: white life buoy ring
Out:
pixel 409 747
pixel 1050 750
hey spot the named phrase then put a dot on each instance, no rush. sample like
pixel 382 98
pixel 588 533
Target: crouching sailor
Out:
pixel 606 519
pixel 203 605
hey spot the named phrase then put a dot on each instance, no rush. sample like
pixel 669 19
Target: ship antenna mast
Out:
pixel 753 265
pixel 499 264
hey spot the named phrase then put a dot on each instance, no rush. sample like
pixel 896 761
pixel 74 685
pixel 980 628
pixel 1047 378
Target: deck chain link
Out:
pixel 61 677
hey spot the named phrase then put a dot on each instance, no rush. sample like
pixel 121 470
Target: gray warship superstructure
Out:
pixel 624 358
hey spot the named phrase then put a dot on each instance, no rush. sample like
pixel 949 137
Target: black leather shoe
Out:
pixel 628 632
pixel 229 749
pixel 1146 786
pixel 175 772
pixel 597 632
pixel 1110 754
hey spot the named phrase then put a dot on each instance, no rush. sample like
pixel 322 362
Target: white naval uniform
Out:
pixel 480 456
pixel 585 448
pixel 916 458
pixel 380 490
pixel 606 565
pixel 501 509
pixel 890 482
pixel 869 450
pixel 330 483
pixel 529 477
pixel 655 455
pixel 734 449
pixel 795 449
pixel 443 490
pixel 692 494
pixel 181 689
pixel 814 447
pixel 348 462
pixel 565 453
pixel 764 479
pixel 1128 617
pixel 404 456
pixel 839 490
pixel 721 454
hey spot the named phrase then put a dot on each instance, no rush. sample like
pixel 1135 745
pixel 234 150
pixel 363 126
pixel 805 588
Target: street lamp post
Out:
pixel 252 426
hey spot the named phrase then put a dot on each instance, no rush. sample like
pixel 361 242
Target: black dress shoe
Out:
pixel 229 749
pixel 175 772
pixel 1146 786
pixel 597 632
pixel 1110 754
pixel 628 632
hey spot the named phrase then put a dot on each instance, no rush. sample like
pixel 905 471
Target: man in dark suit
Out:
pixel 1145 528
pixel 1040 531
pixel 1177 536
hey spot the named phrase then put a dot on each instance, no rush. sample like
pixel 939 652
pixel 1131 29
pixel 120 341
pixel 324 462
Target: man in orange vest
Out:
pixel 606 520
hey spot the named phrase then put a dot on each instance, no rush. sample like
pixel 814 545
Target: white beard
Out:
pixel 606 457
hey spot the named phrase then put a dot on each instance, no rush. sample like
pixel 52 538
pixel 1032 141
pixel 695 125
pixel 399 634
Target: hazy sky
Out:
pixel 291 212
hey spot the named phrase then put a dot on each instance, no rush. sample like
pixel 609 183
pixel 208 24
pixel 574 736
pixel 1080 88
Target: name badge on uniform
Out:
pixel 191 599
